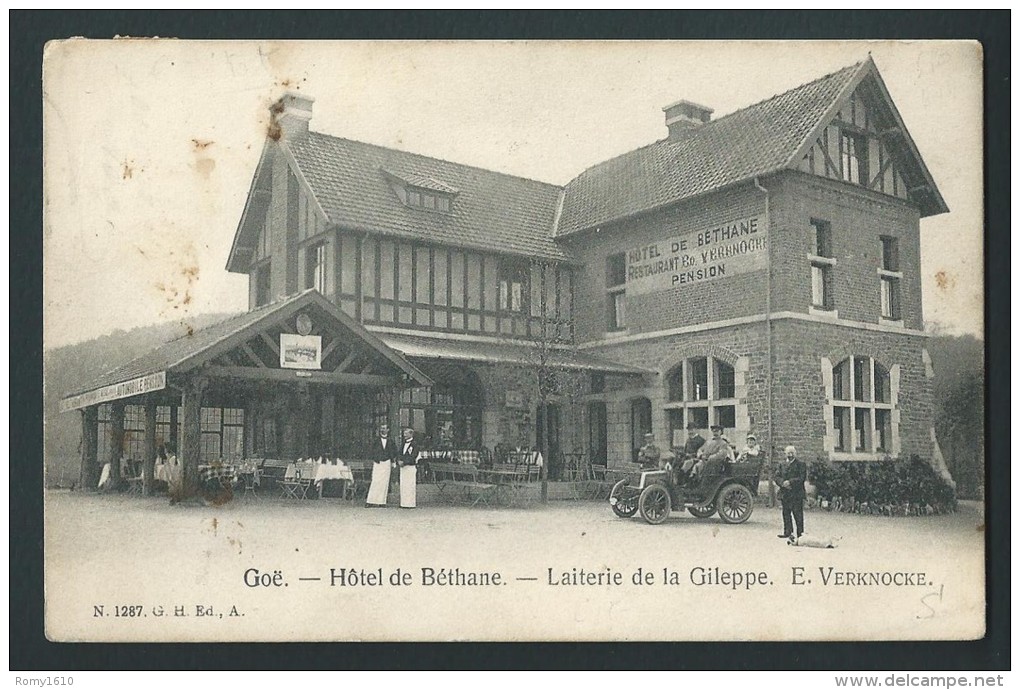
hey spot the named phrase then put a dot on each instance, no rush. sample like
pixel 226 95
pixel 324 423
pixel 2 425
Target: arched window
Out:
pixel 702 391
pixel 861 402
pixel 448 414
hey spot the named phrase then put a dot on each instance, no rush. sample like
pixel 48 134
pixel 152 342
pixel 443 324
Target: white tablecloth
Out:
pixel 319 472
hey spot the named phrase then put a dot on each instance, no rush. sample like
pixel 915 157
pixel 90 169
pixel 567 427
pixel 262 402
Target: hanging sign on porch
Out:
pixel 300 351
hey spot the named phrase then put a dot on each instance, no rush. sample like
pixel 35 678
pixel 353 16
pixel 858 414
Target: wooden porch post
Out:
pixel 116 441
pixel 148 466
pixel 175 442
pixel 89 473
pixel 299 418
pixel 327 423
pixel 393 413
pixel 191 444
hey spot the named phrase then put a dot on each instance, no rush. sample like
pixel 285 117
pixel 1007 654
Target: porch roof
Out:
pixel 150 371
pixel 519 353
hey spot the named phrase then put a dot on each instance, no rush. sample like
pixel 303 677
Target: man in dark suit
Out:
pixel 383 452
pixel 792 475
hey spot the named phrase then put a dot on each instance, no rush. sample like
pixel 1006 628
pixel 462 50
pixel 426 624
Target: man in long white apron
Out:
pixel 383 453
pixel 408 462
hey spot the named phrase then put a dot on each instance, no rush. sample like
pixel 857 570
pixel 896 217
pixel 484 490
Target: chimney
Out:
pixel 684 115
pixel 289 116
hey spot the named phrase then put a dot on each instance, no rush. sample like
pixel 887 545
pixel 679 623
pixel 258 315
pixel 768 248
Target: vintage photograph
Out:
pixel 513 341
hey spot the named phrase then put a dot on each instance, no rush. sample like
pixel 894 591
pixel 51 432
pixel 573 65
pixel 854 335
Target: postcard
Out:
pixel 513 341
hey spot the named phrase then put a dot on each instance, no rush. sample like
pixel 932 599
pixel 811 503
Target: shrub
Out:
pixel 907 486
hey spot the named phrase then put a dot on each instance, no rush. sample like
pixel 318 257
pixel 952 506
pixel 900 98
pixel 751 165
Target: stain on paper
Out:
pixel 945 281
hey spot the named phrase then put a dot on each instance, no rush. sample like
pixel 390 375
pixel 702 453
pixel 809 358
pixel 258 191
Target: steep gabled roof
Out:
pixel 763 138
pixel 352 183
pixel 492 211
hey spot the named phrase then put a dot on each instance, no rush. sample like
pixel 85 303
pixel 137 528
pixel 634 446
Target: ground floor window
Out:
pixel 701 391
pixel 447 414
pixel 222 431
pixel 860 406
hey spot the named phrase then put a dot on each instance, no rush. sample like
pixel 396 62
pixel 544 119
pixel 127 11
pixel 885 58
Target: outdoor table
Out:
pixel 315 472
pixel 507 481
pixel 226 474
pixel 250 473
pixel 340 472
pixel 528 457
pixel 436 455
pixel 297 479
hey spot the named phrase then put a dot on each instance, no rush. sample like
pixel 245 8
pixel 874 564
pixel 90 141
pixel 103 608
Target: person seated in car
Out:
pixel 714 454
pixel 751 451
pixel 692 445
pixel 649 454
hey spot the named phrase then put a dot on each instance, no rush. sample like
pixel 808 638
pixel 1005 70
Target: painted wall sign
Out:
pixel 735 247
pixel 300 351
pixel 116 391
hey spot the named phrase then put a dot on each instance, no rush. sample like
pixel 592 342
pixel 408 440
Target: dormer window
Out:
pixel 428 200
pixel 420 191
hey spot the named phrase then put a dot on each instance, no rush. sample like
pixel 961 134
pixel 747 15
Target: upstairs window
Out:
pixel 889 279
pixel 315 267
pixel 822 264
pixel 616 279
pixel 854 157
pixel 890 298
pixel 890 253
pixel 263 285
pixel 513 286
pixel 822 238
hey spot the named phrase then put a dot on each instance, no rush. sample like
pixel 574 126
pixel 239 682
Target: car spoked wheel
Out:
pixel 701 511
pixel 624 507
pixel 654 504
pixel 735 503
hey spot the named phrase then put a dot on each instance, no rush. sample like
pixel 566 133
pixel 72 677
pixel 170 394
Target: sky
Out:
pixel 150 145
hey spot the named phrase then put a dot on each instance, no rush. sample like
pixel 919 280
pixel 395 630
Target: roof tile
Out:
pixel 753 141
pixel 492 211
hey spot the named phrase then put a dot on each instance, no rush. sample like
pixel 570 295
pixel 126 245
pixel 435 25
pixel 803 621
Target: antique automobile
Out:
pixel 727 488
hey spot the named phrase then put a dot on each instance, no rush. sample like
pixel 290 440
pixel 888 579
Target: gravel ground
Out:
pixel 131 551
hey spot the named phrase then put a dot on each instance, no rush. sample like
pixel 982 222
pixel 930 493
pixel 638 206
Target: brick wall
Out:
pixel 858 217
pixel 799 396
pixel 722 298
pixel 661 355
pixel 799 391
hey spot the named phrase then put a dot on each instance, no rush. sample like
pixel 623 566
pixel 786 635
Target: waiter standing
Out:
pixel 383 452
pixel 408 463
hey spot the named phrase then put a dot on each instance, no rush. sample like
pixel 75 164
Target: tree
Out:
pixel 546 353
pixel 958 396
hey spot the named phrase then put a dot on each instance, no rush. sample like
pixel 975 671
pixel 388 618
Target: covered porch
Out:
pixel 297 378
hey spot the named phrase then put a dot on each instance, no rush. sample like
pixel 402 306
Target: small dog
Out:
pixel 813 542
